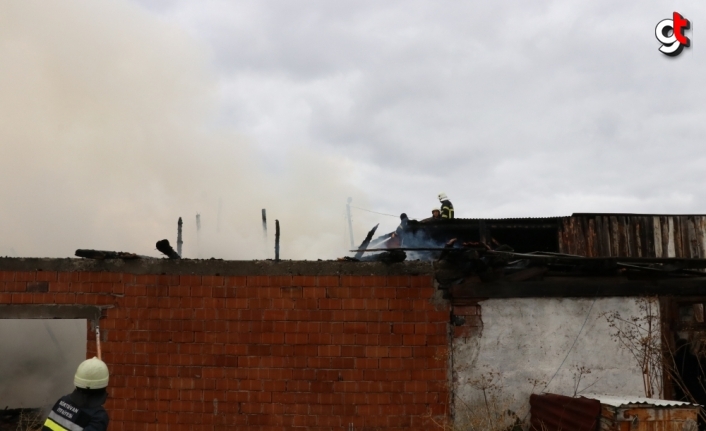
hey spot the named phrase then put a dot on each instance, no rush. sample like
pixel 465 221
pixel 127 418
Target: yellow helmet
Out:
pixel 91 374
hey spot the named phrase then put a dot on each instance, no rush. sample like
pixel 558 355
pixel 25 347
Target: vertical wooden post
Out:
pixel 198 235
pixel 276 240
pixel 264 231
pixel 98 342
pixel 179 241
pixel 365 242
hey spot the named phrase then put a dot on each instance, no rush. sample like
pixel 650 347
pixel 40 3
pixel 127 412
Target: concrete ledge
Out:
pixel 217 267
pixel 26 311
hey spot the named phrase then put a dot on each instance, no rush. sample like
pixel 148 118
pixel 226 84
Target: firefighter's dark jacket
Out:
pixel 447 209
pixel 78 411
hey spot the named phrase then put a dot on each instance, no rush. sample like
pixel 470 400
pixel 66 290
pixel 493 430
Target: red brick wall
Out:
pixel 260 352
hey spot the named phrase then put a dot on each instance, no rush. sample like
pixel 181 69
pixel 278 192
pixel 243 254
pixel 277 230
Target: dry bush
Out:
pixel 641 336
pixel 489 413
pixel 30 420
pixel 489 410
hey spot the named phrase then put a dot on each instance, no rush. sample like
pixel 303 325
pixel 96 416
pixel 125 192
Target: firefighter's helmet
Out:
pixel 91 374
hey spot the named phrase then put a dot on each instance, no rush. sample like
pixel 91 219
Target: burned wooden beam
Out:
pixel 167 249
pixel 179 241
pixel 365 242
pixel 104 254
pixel 276 240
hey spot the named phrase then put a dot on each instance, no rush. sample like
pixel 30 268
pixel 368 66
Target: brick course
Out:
pixel 193 352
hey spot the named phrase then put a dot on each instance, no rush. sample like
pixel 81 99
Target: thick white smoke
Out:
pixel 39 359
pixel 108 134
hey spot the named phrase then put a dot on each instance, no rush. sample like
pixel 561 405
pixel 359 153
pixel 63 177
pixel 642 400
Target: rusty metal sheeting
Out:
pixel 552 412
pixel 646 414
pixel 633 235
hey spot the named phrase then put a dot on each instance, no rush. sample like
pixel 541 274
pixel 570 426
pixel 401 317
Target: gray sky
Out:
pixel 512 108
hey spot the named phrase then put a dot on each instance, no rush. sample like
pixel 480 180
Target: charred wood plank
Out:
pixel 276 240
pixel 635 237
pixel 679 238
pixel 104 254
pixel 701 228
pixel 614 236
pixel 179 241
pixel 624 237
pixel 667 231
pixel 591 239
pixel 365 242
pixel 692 241
pixel 657 236
pixel 606 237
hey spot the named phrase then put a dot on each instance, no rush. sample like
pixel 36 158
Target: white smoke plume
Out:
pixel 109 132
pixel 39 359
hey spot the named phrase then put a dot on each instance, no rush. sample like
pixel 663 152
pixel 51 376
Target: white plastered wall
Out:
pixel 522 345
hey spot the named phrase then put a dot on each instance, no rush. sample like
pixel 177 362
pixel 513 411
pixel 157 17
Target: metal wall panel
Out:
pixel 552 412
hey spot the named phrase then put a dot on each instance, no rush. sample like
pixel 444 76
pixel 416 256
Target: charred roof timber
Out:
pixel 104 254
pixel 365 242
pixel 179 241
pixel 582 255
pixel 582 234
pixel 166 248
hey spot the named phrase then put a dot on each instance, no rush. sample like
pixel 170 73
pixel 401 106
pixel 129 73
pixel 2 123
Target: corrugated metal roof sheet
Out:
pixel 619 401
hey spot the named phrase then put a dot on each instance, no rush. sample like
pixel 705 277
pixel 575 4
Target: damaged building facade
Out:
pixel 592 303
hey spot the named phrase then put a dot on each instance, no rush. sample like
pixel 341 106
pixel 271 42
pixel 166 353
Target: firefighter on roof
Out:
pixel 447 208
pixel 82 410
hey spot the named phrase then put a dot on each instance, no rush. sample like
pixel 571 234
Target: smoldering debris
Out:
pixel 164 247
pixel 390 256
pixel 387 256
